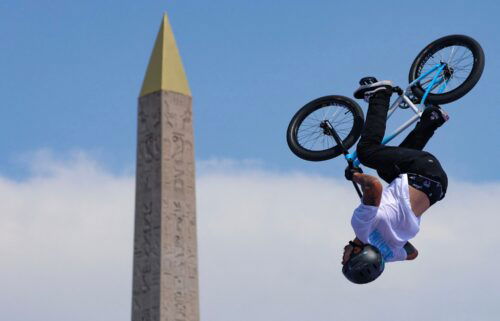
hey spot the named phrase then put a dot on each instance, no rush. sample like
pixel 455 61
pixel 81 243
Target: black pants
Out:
pixel 391 161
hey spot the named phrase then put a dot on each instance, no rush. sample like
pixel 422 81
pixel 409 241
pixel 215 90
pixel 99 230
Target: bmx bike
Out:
pixel 444 71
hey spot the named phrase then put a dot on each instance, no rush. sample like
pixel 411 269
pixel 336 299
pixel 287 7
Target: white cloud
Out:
pixel 65 241
pixel 270 247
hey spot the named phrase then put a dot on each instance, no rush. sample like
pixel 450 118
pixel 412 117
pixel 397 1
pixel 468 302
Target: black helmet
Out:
pixel 365 266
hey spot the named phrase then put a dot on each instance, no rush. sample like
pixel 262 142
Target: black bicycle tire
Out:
pixel 307 109
pixel 467 85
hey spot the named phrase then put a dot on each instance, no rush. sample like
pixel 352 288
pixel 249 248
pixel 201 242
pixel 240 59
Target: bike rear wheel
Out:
pixel 308 140
pixel 463 60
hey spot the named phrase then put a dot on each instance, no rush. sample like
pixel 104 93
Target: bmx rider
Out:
pixel 388 217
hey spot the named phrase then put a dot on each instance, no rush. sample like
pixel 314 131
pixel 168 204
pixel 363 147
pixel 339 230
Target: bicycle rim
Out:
pixel 312 137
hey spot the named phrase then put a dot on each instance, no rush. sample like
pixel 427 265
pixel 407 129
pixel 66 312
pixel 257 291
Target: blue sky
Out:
pixel 72 72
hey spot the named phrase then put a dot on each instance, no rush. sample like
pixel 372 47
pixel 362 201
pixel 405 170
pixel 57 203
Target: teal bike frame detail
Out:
pixel 438 81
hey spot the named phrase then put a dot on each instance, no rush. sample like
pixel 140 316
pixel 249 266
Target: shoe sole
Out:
pixel 360 92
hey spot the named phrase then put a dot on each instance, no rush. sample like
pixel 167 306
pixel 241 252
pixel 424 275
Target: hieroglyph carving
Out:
pixel 147 250
pixel 181 277
pixel 165 286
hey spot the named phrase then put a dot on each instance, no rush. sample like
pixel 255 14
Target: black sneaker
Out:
pixel 369 86
pixel 435 115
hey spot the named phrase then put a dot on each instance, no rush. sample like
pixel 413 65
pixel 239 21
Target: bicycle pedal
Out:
pixel 414 99
pixel 397 90
pixel 404 105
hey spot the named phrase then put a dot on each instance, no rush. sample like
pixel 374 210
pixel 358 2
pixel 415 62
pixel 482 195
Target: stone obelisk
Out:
pixel 165 277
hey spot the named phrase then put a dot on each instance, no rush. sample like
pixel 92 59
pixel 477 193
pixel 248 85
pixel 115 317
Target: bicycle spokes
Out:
pixel 312 134
pixel 454 64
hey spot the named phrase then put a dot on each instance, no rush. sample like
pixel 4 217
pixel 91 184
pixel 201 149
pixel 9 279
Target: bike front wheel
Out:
pixel 462 59
pixel 310 141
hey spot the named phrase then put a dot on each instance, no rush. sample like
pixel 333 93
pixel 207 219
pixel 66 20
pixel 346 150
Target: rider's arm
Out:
pixel 411 251
pixel 371 186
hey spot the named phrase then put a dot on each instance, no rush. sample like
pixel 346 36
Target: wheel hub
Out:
pixel 325 128
pixel 447 71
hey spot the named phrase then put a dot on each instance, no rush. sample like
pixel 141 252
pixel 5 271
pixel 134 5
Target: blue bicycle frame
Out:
pixel 437 81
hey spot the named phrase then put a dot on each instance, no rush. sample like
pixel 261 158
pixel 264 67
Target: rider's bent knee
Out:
pixel 362 151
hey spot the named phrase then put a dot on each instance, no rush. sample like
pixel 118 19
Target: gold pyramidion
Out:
pixel 165 70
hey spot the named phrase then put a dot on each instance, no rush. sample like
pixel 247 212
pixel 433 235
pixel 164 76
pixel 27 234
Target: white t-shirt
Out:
pixel 389 226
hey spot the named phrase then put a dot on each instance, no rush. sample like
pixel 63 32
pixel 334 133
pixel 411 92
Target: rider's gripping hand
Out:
pixel 349 172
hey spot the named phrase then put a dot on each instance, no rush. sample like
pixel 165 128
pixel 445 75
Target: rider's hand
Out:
pixel 349 172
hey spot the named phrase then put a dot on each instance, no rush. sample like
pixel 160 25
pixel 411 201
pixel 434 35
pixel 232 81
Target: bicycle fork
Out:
pixel 329 130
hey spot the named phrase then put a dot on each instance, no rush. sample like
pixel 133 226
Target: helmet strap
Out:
pixel 356 244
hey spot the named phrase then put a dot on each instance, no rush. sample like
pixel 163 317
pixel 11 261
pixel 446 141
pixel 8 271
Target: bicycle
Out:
pixel 444 71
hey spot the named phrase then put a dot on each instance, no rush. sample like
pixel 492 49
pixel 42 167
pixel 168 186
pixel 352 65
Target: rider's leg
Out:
pixel 432 118
pixel 389 161
pixel 376 117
